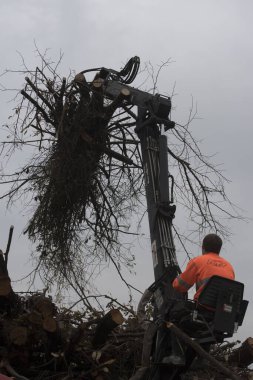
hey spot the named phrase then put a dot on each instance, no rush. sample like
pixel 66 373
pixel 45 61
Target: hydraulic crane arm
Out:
pixel 158 105
pixel 152 118
pixel 152 113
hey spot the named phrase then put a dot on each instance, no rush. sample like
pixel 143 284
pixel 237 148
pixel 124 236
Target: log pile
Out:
pixel 39 341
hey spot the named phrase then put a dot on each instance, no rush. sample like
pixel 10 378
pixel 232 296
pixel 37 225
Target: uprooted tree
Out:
pixel 84 175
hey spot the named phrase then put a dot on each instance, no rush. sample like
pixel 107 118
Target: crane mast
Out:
pixel 152 121
pixel 152 118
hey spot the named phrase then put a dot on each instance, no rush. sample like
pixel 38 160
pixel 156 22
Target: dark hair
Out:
pixel 212 243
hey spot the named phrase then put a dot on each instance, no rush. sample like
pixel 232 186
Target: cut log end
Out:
pixel 49 324
pixel 98 83
pixel 18 335
pixel 80 78
pixel 125 92
pixel 116 316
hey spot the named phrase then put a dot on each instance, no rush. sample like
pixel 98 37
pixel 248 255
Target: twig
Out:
pixel 8 245
pixel 40 109
pixel 36 90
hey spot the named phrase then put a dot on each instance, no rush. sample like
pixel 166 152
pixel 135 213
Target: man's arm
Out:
pixel 187 279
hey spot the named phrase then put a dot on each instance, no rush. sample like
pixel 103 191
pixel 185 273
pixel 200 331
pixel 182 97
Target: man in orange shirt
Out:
pixel 198 272
pixel 201 268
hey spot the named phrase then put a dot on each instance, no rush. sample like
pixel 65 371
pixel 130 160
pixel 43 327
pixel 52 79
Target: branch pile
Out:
pixel 39 341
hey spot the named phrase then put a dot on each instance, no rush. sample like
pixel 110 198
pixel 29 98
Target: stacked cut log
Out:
pixel 108 323
pixel 39 339
pixel 5 282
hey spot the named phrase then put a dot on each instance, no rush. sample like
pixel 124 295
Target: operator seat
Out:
pixel 219 311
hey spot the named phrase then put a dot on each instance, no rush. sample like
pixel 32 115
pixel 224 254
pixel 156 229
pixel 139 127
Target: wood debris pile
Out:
pixel 232 355
pixel 39 341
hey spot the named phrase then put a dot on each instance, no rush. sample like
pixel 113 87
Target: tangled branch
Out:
pixel 85 172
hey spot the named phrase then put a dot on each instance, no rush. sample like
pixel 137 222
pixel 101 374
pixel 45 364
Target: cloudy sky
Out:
pixel 210 44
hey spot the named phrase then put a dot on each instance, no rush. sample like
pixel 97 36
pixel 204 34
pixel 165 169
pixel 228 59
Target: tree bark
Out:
pixel 111 320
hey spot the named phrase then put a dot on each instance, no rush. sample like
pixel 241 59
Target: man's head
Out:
pixel 211 243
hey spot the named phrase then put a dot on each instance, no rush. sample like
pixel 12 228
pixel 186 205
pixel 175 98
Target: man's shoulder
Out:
pixel 213 257
pixel 196 260
pixel 227 262
pixel 204 259
pixel 201 259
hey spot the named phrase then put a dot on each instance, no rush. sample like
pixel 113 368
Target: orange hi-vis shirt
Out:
pixel 200 269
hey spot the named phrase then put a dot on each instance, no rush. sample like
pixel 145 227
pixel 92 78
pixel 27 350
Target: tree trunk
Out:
pixel 111 320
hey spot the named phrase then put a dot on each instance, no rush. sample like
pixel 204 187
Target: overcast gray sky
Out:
pixel 210 43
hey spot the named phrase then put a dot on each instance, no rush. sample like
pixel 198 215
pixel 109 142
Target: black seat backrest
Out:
pixel 209 294
pixel 224 297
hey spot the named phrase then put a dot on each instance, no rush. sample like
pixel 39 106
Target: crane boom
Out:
pixel 152 118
